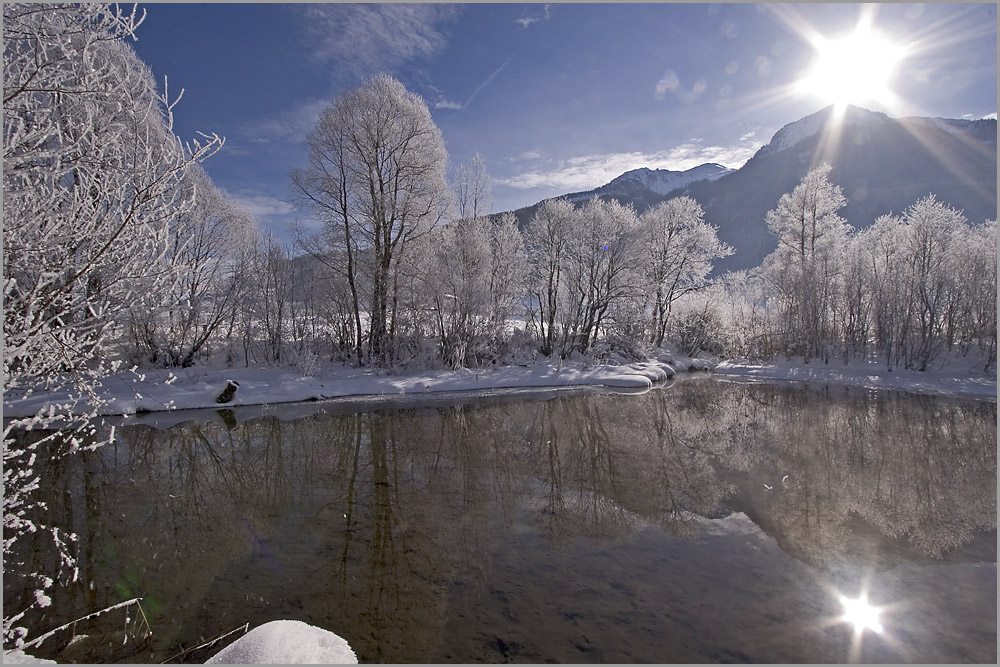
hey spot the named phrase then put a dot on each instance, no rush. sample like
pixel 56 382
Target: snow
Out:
pixel 21 658
pixel 130 393
pixel 793 133
pixel 952 379
pixel 286 642
pixel 664 181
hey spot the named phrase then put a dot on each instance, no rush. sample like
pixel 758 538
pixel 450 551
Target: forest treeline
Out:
pixel 117 246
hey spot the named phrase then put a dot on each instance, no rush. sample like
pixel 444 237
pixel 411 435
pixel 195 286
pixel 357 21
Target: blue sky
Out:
pixel 557 98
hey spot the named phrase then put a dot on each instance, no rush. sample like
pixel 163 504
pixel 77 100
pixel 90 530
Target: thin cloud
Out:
pixel 363 39
pixel 260 206
pixel 445 103
pixel 590 171
pixel 526 21
pixel 290 125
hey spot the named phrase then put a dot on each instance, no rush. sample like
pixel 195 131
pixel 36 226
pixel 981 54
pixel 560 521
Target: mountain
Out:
pixel 641 187
pixel 882 164
pixel 663 181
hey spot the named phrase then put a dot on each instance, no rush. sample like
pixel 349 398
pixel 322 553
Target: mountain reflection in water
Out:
pixel 705 521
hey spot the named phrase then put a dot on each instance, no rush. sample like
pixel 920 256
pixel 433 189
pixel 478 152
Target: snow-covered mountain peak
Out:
pixel 795 132
pixel 663 181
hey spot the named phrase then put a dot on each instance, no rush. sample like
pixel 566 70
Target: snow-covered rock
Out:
pixel 286 642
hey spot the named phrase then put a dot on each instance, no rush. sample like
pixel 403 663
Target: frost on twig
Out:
pixel 93 183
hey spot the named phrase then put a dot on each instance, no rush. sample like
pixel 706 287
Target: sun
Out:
pixel 854 69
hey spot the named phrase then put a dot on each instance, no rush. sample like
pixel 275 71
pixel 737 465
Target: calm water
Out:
pixel 699 522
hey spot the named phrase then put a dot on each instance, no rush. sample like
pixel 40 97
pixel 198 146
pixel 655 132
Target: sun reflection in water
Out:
pixel 861 615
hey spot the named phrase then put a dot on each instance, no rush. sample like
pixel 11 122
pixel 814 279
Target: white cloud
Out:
pixel 526 21
pixel 363 39
pixel 260 206
pixel 445 103
pixel 992 116
pixel 586 172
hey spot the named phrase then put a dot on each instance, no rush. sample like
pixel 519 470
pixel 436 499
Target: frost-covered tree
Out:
pixel 376 178
pixel 546 239
pixel 599 269
pixel 806 267
pixel 458 282
pixel 678 248
pixel 932 234
pixel 508 268
pixel 977 278
pixel 92 174
pixel 473 193
pixel 208 260
pixel 473 278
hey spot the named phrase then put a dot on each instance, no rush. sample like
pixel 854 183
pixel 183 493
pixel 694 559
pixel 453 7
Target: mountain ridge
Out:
pixel 883 165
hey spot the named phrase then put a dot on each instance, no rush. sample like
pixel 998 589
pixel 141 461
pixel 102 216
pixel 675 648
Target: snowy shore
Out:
pixel 957 378
pixel 130 393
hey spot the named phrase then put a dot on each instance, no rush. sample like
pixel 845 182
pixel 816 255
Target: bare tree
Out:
pixel 546 239
pixel 678 248
pixel 473 194
pixel 208 256
pixel 599 269
pixel 376 180
pixel 805 268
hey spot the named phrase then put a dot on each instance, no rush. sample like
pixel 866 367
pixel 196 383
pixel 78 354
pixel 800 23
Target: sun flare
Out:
pixel 854 69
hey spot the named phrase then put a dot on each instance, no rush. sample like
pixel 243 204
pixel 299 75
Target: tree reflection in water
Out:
pixel 480 531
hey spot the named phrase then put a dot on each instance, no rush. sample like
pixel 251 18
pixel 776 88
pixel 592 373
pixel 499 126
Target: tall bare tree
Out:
pixel 678 249
pixel 376 178
pixel 473 192
pixel 806 267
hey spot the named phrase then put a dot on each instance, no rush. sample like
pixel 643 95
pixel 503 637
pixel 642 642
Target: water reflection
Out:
pixel 585 528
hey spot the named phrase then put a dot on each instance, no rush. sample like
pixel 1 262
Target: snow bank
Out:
pixel 286 642
pixel 153 391
pixel 951 379
pixel 21 658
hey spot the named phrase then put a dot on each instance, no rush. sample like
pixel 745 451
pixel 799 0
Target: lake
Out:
pixel 702 521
